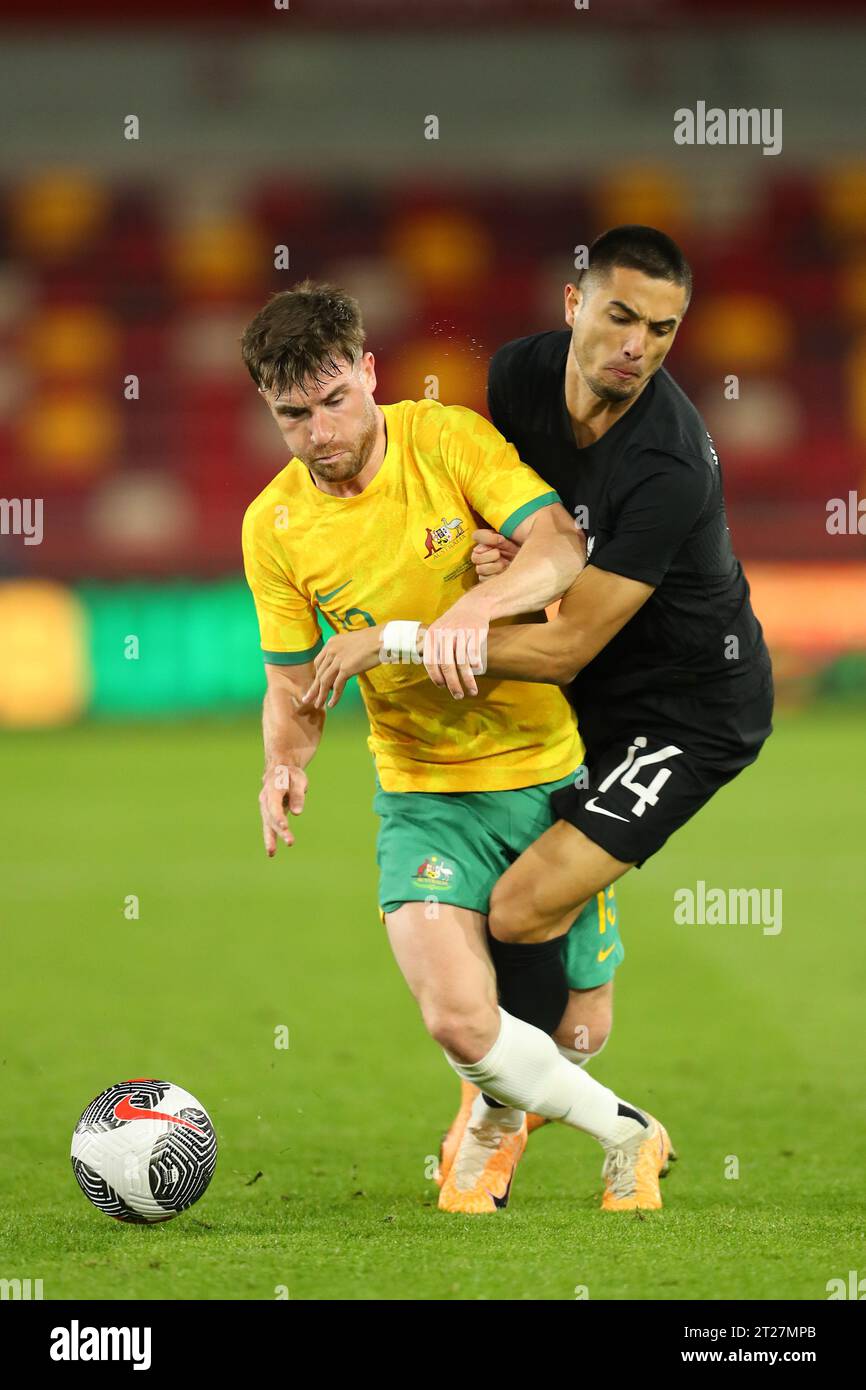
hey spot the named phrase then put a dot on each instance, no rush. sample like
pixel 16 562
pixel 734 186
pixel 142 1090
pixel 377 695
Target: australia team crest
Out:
pixel 434 872
pixel 440 539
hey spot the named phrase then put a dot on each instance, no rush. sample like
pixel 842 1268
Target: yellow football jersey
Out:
pixel 400 549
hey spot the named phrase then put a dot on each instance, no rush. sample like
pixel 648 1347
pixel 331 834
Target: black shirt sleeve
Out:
pixel 663 498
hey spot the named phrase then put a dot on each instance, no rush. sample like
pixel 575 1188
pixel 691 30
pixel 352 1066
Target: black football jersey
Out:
pixel 692 662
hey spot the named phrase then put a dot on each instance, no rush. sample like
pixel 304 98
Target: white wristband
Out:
pixel 399 642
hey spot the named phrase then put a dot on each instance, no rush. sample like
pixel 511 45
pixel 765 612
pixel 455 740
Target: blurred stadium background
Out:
pixel 143 258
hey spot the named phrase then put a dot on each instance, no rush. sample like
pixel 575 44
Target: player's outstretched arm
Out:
pixel 596 606
pixel 291 736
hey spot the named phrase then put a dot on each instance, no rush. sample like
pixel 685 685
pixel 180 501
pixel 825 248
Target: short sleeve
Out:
pixel 655 517
pixel 289 631
pixel 499 486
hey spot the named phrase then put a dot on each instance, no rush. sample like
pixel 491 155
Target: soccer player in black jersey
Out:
pixel 655 641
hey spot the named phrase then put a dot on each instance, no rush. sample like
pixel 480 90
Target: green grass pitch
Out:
pixel 747 1045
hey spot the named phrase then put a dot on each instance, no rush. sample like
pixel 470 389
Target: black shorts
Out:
pixel 639 790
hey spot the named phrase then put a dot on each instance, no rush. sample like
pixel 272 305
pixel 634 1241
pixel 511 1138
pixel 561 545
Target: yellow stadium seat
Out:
pixel 221 258
pixel 852 290
pixel 70 434
pixel 844 200
pixel 70 340
pixel 652 196
pixel 56 213
pixel 442 369
pixel 441 248
pixel 732 331
pixel 39 620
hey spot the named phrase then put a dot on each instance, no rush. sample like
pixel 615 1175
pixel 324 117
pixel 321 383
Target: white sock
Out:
pixel 580 1059
pixel 524 1069
pixel 504 1116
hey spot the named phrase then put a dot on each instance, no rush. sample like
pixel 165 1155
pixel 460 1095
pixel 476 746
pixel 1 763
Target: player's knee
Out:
pixel 517 911
pixel 588 1036
pixel 596 1036
pixel 506 915
pixel 466 1035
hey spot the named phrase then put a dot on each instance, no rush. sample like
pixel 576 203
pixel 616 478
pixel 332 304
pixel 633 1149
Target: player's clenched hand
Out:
pixel 343 656
pixel 455 646
pixel 492 553
pixel 283 787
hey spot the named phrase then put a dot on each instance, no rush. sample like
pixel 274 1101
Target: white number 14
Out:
pixel 631 766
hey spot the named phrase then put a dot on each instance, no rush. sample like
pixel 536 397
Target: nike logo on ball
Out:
pixel 125 1110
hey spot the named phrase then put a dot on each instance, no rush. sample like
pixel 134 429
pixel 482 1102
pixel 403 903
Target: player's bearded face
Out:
pixel 623 329
pixel 352 443
pixel 330 426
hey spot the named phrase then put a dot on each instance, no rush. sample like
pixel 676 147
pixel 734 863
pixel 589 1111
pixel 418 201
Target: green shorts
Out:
pixel 453 846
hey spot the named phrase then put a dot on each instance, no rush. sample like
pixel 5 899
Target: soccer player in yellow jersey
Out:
pixel 373 517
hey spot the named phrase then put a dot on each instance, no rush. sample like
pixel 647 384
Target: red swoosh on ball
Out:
pixel 125 1110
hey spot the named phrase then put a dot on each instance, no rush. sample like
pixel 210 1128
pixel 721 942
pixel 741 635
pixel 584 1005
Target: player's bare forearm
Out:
pixel 550 558
pixel 289 737
pixel 529 652
pixel 596 606
pixel 344 655
pixel 593 610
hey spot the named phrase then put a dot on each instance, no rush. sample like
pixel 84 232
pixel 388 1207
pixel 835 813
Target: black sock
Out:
pixel 531 980
pixel 623 1109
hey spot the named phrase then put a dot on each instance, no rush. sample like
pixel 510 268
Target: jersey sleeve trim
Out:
pixel 509 526
pixel 293 658
pixel 642 574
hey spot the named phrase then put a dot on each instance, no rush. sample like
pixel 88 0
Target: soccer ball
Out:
pixel 144 1150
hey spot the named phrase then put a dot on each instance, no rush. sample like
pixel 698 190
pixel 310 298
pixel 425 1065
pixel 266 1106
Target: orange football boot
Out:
pixel 632 1169
pixel 479 1180
pixel 534 1122
pixel 451 1138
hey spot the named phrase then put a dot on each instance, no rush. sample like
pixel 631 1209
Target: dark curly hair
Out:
pixel 301 335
